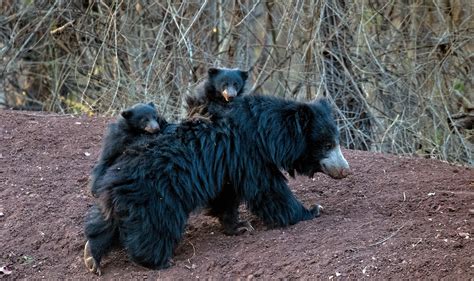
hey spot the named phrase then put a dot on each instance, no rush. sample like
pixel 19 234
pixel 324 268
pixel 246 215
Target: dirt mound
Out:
pixel 394 217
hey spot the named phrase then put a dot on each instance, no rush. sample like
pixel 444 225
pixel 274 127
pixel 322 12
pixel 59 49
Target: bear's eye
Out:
pixel 328 146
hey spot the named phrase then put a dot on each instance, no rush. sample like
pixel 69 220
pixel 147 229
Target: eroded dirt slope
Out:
pixel 394 217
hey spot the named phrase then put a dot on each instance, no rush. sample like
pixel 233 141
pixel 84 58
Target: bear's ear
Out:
pixel 244 75
pixel 151 104
pixel 213 71
pixel 127 114
pixel 303 117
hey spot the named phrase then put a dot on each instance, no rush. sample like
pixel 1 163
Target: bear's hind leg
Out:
pixel 226 208
pixel 101 235
pixel 150 233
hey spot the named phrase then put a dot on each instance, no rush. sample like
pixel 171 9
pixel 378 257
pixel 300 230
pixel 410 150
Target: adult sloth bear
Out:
pixel 159 181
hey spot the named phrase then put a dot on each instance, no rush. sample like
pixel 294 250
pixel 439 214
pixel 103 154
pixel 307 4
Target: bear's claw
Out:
pixel 316 210
pixel 244 226
pixel 238 228
pixel 91 264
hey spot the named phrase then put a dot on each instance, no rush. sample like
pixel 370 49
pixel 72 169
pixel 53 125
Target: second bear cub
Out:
pixel 221 86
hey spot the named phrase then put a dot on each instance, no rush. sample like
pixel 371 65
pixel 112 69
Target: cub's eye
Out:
pixel 236 86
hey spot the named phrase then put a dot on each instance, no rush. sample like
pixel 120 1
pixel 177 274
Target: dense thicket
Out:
pixel 399 72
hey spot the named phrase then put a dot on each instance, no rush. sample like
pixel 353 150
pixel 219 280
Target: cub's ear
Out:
pixel 244 75
pixel 213 71
pixel 323 104
pixel 151 104
pixel 303 117
pixel 127 114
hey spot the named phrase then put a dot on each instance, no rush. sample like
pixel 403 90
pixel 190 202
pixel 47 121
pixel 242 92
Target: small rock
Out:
pixel 364 270
pixel 5 270
pixel 432 194
pixel 87 154
pixel 464 235
pixel 2 214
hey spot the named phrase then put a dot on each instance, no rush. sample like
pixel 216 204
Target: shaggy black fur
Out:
pixel 140 119
pixel 210 100
pixel 160 180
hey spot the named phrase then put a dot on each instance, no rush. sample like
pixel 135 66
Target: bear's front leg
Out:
pixel 276 205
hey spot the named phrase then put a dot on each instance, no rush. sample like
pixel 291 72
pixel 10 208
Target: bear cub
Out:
pixel 142 118
pixel 220 87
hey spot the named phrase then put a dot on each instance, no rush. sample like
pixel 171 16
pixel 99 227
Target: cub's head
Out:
pixel 228 83
pixel 322 152
pixel 143 117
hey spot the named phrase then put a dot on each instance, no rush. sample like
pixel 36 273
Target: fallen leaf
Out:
pixel 28 259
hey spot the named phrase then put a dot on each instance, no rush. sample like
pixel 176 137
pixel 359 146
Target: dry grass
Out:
pixel 397 72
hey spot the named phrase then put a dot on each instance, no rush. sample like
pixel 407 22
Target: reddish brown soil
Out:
pixel 393 217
